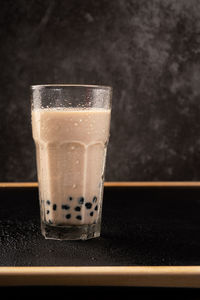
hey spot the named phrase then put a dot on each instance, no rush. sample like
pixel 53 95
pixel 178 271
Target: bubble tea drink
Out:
pixel 71 126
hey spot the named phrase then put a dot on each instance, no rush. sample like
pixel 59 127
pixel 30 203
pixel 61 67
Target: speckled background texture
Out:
pixel 149 51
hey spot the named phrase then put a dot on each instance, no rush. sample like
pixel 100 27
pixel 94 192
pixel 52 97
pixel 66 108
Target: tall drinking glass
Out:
pixel 70 125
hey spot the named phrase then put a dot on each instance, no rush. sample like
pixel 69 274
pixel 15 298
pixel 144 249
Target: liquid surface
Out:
pixel 71 149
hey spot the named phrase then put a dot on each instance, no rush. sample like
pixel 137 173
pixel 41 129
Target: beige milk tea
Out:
pixel 71 150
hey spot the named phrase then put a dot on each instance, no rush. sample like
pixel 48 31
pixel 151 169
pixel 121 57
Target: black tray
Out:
pixel 147 230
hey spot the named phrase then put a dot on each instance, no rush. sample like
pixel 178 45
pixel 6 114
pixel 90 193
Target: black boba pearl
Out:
pixel 77 208
pixel 79 217
pixel 68 216
pixel 92 213
pixel 94 199
pixel 65 206
pixel 88 205
pixel 47 212
pixel 48 202
pixel 96 207
pixel 81 200
pixel 54 207
pixel 70 198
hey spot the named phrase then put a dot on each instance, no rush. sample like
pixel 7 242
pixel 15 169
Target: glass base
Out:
pixel 83 232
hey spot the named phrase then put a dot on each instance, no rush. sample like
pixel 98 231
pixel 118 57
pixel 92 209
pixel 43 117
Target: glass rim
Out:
pixel 71 85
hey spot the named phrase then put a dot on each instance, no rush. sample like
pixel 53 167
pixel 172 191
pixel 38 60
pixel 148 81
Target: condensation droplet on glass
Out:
pixel 75 124
pixel 77 161
pixel 80 120
pixel 72 147
pixel 74 186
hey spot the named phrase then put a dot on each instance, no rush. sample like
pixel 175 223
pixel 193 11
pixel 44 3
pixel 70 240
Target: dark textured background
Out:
pixel 149 51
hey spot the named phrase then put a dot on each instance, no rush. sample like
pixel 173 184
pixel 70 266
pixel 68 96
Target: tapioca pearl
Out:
pixel 70 198
pixel 68 216
pixel 91 213
pixel 88 205
pixel 96 207
pixel 47 212
pixel 79 217
pixel 54 206
pixel 65 206
pixel 81 200
pixel 94 199
pixel 77 208
pixel 48 202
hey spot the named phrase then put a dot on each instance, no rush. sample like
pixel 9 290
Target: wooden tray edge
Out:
pixel 117 184
pixel 141 276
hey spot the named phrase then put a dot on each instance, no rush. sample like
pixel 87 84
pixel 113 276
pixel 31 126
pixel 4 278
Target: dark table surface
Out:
pixel 145 226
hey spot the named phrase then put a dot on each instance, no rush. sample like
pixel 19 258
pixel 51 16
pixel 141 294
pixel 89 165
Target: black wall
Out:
pixel 149 51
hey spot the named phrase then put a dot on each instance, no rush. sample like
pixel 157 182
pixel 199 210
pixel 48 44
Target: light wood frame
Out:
pixel 147 276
